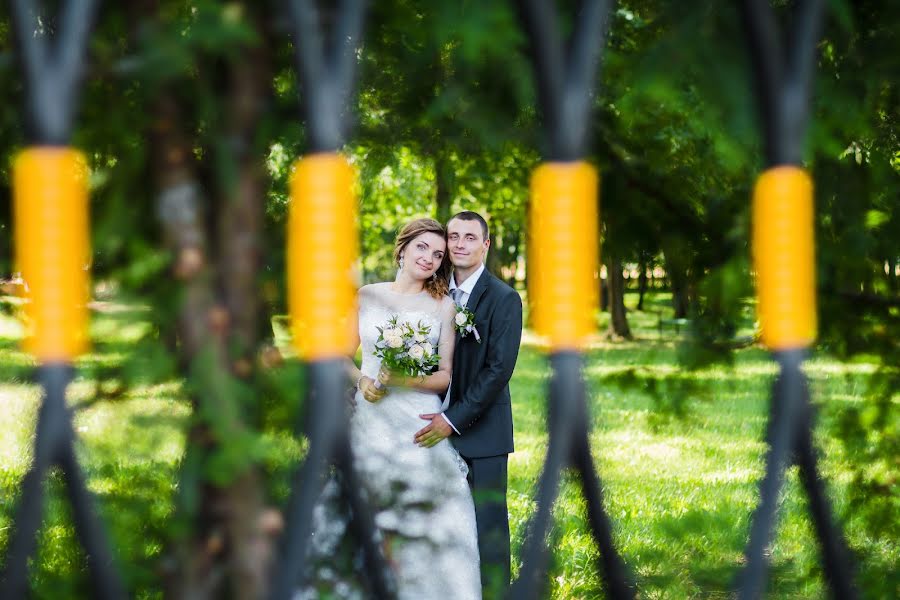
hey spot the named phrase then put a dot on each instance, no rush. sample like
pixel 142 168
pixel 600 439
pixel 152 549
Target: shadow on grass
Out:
pixel 134 505
pixel 130 463
pixel 683 554
pixel 15 365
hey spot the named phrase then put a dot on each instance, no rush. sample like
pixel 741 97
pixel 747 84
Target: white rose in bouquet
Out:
pixel 417 352
pixel 394 341
pixel 460 318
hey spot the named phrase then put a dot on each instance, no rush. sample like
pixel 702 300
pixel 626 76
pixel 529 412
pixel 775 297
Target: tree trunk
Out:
pixel 618 320
pixel 240 230
pixel 493 262
pixel 179 207
pixel 891 274
pixel 6 239
pixel 642 283
pixel 680 299
pixel 678 274
pixel 444 181
pixel 240 215
pixel 512 242
pixel 226 553
pixel 604 293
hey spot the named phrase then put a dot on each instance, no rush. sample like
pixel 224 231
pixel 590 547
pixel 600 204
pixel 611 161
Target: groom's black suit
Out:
pixel 480 410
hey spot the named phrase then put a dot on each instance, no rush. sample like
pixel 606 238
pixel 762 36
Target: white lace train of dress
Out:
pixel 422 501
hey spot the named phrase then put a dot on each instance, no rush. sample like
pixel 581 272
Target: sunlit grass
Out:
pixel 681 491
pixel 679 488
pixel 129 448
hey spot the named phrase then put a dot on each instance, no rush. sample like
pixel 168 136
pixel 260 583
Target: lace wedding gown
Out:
pixel 421 500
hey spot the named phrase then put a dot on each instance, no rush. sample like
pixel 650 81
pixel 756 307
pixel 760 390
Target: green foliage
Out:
pixel 396 187
pixel 871 430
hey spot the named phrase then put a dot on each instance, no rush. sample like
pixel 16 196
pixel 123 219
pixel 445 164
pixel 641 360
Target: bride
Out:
pixel 422 503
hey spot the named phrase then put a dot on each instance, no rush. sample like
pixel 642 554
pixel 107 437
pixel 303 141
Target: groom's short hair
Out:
pixel 470 215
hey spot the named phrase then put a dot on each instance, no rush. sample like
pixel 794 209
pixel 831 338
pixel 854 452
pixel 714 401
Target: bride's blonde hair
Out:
pixel 439 284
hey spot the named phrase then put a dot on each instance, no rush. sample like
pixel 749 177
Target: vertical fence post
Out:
pixel 784 262
pixel 52 251
pixel 563 272
pixel 321 255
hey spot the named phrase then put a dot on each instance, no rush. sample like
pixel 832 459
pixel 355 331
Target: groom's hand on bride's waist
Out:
pixel 437 430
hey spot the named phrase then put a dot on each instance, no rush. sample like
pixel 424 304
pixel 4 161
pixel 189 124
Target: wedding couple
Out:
pixel 436 470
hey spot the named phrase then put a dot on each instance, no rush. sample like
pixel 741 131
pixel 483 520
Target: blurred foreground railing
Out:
pixel 784 261
pixel 52 251
pixel 53 254
pixel 564 275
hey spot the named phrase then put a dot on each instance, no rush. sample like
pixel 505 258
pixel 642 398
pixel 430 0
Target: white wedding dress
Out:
pixel 422 503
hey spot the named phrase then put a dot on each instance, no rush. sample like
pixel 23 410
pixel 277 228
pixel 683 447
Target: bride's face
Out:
pixel 423 255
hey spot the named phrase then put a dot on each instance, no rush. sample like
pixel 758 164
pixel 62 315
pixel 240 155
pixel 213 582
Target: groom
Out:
pixel 478 414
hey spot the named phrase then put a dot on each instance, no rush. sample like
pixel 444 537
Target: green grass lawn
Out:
pixel 679 453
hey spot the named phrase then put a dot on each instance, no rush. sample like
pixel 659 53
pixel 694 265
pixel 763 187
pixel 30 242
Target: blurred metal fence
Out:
pixel 563 305
pixel 784 261
pixel 50 195
pixel 564 283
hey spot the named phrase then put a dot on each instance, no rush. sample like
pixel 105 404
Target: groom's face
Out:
pixel 466 243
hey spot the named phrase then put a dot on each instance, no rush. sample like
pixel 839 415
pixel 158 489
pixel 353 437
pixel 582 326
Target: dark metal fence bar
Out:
pixel 783 79
pixel 617 578
pixel 326 383
pixel 322 199
pixel 838 569
pixel 569 446
pixel 785 272
pixel 52 69
pixel 50 189
pixel 565 81
pixel 781 435
pixel 53 446
pixel 562 415
pixel 326 66
pixel 362 524
pixel 563 226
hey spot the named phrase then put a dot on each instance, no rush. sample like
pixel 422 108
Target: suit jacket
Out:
pixel 479 404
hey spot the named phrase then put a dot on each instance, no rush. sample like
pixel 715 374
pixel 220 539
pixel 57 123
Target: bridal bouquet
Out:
pixel 404 348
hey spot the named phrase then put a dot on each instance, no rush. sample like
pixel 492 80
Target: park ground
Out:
pixel 679 453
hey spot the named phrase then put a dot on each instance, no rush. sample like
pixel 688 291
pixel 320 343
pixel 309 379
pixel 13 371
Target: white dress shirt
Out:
pixel 466 286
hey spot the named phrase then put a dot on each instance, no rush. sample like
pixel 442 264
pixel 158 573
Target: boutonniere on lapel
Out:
pixel 464 323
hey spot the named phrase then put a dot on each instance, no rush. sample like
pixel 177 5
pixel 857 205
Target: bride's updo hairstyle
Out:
pixel 439 284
